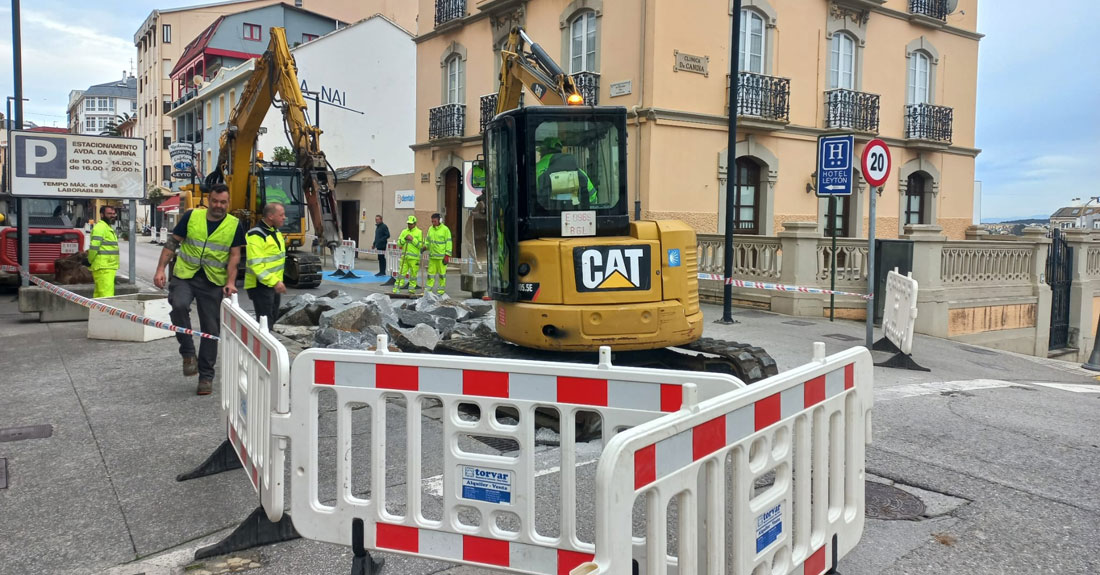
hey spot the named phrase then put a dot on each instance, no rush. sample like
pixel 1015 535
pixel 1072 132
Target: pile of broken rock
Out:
pixel 338 321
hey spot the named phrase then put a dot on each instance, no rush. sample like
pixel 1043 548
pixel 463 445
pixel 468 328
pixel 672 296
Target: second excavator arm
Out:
pixel 534 69
pixel 275 74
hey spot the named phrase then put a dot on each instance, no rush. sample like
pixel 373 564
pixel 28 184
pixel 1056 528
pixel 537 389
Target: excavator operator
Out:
pixel 559 177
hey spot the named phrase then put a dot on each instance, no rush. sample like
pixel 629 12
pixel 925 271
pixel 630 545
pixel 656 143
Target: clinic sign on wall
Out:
pixel 48 165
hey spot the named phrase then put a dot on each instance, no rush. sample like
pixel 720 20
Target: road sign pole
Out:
pixel 17 71
pixel 871 269
pixel 731 167
pixel 832 266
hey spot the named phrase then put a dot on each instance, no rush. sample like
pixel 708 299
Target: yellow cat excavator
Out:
pixel 304 186
pixel 568 269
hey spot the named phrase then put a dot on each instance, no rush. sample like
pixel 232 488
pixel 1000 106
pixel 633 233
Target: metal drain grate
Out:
pixel 843 337
pixel 501 444
pixel 891 504
pixel 27 432
pixel 798 322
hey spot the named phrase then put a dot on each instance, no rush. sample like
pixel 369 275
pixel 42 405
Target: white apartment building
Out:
pixel 92 110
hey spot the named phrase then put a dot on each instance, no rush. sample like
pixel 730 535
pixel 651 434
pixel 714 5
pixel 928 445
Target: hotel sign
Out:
pixel 691 63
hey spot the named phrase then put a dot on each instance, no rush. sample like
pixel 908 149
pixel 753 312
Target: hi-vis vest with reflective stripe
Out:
pixel 439 241
pixel 209 253
pixel 410 242
pixel 103 249
pixel 266 257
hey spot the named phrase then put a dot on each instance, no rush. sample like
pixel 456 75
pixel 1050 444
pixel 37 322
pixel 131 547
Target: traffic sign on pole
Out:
pixel 835 156
pixel 876 162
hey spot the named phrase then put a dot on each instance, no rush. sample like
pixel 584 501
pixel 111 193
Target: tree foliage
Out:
pixel 283 154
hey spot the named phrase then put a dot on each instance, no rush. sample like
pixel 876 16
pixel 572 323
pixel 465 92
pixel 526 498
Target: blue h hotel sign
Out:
pixel 77 166
pixel 835 161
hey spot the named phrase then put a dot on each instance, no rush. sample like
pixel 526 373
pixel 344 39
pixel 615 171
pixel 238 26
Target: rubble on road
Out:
pixel 336 320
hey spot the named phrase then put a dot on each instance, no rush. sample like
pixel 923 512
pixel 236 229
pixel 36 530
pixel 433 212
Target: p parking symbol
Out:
pixel 40 157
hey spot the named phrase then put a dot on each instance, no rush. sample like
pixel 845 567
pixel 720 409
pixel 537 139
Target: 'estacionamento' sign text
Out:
pixel 48 165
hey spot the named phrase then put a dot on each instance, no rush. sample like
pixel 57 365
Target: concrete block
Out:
pixel 53 308
pixel 150 305
pixel 477 284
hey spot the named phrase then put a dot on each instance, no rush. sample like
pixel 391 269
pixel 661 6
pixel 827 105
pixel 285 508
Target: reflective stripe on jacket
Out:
pixel 209 253
pixel 103 248
pixel 439 241
pixel 410 242
pixel 266 257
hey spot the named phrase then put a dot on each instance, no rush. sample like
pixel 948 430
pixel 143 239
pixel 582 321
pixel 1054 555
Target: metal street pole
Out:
pixel 832 265
pixel 133 242
pixel 731 164
pixel 17 70
pixel 871 269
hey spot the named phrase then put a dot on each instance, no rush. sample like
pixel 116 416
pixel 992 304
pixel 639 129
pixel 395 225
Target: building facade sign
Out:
pixel 75 166
pixel 691 63
pixel 404 199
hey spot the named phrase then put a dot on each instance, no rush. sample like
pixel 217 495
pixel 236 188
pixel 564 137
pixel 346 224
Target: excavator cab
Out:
pixel 282 182
pixel 552 172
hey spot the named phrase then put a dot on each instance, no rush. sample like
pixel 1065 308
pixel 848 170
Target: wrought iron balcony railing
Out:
pixel 851 110
pixel 932 8
pixel 488 109
pixel 447 121
pixel 759 96
pixel 588 84
pixel 928 122
pixel 447 10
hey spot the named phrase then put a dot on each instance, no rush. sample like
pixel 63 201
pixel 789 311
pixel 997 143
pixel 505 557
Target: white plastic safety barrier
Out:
pixel 768 479
pixel 255 376
pixel 899 315
pixel 344 256
pixel 163 237
pixel 501 491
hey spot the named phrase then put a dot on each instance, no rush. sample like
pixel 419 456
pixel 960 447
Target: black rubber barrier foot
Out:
pixel 223 459
pixel 254 531
pixel 337 274
pixel 350 275
pixel 899 360
pixel 362 563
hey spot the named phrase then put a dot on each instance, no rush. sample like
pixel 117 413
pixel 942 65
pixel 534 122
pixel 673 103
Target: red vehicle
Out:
pixel 53 233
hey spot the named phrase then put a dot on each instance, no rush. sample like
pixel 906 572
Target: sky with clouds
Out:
pixel 1038 118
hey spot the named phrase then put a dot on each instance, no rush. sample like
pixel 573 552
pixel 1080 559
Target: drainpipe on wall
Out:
pixel 638 120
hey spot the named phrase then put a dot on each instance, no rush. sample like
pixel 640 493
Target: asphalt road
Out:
pixel 1001 449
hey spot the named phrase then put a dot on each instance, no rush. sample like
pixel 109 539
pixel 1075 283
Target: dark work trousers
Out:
pixel 208 297
pixel 265 301
pixel 382 264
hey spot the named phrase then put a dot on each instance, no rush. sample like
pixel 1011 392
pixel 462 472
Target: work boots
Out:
pixel 205 387
pixel 190 366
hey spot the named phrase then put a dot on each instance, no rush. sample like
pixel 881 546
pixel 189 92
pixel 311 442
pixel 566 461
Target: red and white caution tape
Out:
pixel 781 287
pixel 102 307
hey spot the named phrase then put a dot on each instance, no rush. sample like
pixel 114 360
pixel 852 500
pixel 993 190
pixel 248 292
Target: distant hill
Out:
pixel 1036 219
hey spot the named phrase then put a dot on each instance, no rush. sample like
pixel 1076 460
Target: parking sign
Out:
pixel 48 165
pixel 834 165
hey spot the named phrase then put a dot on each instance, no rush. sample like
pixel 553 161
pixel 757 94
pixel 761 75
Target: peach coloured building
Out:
pixel 902 70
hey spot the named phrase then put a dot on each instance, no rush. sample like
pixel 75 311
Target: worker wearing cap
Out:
pixel 409 242
pixel 439 254
pixel 559 177
pixel 103 252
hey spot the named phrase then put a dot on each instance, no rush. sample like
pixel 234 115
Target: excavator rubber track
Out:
pixel 303 270
pixel 746 362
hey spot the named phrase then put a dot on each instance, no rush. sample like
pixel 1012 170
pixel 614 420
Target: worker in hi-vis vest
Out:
pixel 409 242
pixel 103 252
pixel 265 260
pixel 439 254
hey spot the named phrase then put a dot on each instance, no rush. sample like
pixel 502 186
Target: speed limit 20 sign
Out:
pixel 876 162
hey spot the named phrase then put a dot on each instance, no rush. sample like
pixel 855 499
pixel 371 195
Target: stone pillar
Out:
pixel 1081 328
pixel 932 308
pixel 976 233
pixel 1038 237
pixel 799 244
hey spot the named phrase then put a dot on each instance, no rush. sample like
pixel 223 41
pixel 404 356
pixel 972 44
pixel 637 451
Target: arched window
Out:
pixel 582 42
pixel 752 50
pixel 842 62
pixel 455 76
pixel 915 209
pixel 920 78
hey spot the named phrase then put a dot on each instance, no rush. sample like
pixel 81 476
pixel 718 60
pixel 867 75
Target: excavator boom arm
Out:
pixel 534 69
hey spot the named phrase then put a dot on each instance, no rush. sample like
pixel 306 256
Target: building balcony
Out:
pixel 928 12
pixel 449 11
pixel 762 101
pixel 928 126
pixel 851 110
pixel 488 110
pixel 588 84
pixel 447 121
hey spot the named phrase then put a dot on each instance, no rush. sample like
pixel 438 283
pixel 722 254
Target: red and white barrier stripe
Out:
pixel 472 549
pixel 104 308
pixel 655 397
pixel 677 452
pixel 260 350
pixel 781 287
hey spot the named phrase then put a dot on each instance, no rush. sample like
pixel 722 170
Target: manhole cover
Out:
pixel 892 504
pixel 28 432
pixel 843 337
pixel 798 322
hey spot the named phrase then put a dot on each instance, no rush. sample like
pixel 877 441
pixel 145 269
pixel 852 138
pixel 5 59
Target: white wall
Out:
pixel 369 67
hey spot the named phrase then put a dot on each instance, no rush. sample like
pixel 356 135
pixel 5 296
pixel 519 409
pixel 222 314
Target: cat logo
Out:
pixel 612 268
